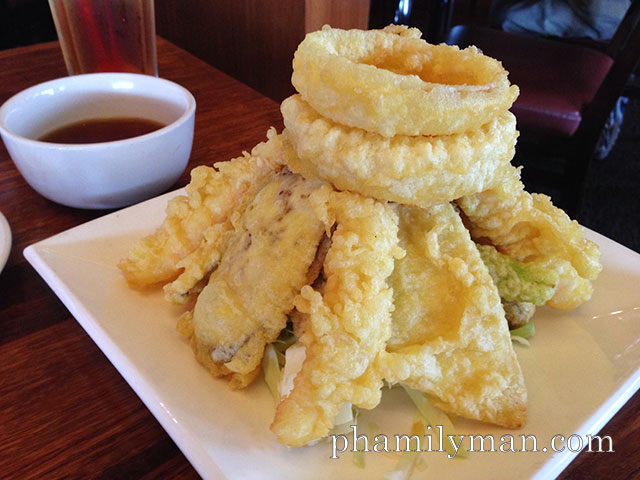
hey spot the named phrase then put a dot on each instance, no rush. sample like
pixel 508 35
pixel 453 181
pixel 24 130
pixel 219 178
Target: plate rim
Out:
pixel 198 458
pixel 6 241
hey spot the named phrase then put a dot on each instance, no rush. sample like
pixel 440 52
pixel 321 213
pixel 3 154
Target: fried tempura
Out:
pixel 449 335
pixel 349 323
pixel 527 227
pixel 196 224
pixel 379 274
pixel 265 265
pixel 203 354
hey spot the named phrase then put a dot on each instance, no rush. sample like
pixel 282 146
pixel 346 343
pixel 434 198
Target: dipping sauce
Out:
pixel 101 130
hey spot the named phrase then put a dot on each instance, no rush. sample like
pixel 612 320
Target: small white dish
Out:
pixel 108 174
pixel 5 241
pixel 581 367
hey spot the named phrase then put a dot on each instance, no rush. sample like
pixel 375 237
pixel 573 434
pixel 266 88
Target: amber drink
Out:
pixel 106 35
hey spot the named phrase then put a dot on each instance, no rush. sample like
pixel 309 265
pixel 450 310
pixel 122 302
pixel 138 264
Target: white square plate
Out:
pixel 5 241
pixel 582 366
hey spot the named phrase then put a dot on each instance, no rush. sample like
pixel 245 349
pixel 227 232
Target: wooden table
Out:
pixel 64 410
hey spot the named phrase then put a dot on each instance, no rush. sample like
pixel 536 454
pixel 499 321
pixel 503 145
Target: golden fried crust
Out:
pixel 245 304
pixel 393 83
pixel 203 355
pixel 349 323
pixel 528 227
pixel 420 170
pixel 199 219
pixel 449 335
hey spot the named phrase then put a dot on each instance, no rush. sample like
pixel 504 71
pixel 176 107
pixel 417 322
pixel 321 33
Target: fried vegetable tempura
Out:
pixel 374 290
pixel 420 170
pixel 349 324
pixel 245 304
pixel 193 232
pixel 527 227
pixel 449 335
pixel 519 282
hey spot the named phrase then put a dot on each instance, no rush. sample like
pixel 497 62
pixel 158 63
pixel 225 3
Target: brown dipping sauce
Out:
pixel 101 130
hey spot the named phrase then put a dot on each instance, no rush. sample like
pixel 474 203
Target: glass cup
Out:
pixel 106 35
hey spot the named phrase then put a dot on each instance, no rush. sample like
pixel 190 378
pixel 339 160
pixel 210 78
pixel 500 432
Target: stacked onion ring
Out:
pixel 387 115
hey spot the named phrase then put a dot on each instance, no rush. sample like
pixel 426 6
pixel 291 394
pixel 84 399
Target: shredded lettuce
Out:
pixel 522 341
pixel 283 342
pixel 342 424
pixel 358 455
pixel 530 282
pixel 408 459
pixel 345 415
pixel 345 418
pixel 294 358
pixel 526 331
pixel 434 416
pixel 271 369
pixel 358 458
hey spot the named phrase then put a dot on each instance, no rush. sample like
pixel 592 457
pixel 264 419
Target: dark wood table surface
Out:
pixel 64 409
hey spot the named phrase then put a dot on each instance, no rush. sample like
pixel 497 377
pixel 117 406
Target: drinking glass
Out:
pixel 106 35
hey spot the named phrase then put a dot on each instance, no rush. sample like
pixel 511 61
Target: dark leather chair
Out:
pixel 567 92
pixel 23 22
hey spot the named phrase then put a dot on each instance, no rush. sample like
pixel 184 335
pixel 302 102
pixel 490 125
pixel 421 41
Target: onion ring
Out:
pixel 421 171
pixel 393 83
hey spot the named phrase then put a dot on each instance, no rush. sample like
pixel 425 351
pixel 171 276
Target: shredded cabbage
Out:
pixel 358 455
pixel 345 415
pixel 434 416
pixel 526 331
pixel 294 358
pixel 283 342
pixel 345 419
pixel 408 459
pixel 358 458
pixel 271 369
pixel 530 282
pixel 520 340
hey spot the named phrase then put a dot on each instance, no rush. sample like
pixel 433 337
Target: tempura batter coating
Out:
pixel 349 324
pixel 527 227
pixel 449 335
pixel 203 355
pixel 197 220
pixel 265 265
pixel 417 170
pixel 391 82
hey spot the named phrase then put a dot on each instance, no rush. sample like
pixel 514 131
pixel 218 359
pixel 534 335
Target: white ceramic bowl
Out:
pixel 100 175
